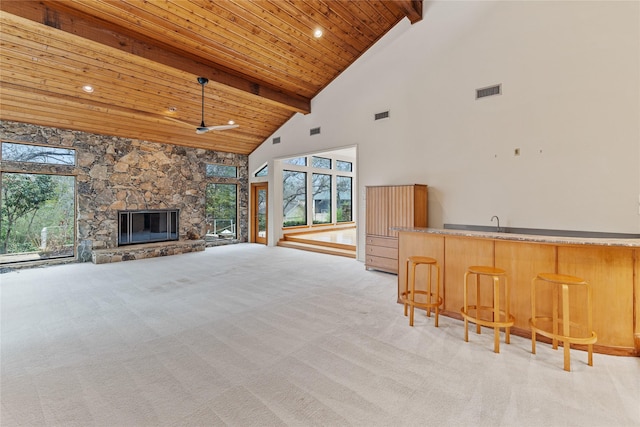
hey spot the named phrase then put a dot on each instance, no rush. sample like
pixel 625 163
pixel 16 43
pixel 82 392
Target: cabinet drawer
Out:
pixel 389 242
pixel 382 251
pixel 384 264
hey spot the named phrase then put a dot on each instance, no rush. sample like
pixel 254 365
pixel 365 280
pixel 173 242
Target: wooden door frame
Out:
pixel 255 187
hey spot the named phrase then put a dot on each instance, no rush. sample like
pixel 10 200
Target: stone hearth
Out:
pixel 149 250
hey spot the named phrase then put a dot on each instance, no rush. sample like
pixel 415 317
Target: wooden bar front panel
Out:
pixel 523 261
pixel 610 273
pixel 460 253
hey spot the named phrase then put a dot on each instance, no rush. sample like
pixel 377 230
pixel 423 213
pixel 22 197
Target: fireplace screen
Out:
pixel 147 226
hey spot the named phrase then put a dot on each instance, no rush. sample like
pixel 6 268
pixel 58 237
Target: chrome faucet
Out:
pixel 497 219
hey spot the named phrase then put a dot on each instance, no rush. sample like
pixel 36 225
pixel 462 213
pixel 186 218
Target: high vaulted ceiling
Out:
pixel 143 59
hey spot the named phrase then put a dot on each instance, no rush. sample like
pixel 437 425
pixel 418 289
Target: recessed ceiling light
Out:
pixel 231 122
pixel 87 88
pixel 317 33
pixel 172 109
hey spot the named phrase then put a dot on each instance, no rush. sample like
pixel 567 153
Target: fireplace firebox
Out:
pixel 146 226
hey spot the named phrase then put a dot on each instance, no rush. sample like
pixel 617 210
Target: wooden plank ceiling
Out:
pixel 143 59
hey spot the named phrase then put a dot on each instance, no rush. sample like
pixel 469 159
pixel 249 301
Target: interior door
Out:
pixel 259 209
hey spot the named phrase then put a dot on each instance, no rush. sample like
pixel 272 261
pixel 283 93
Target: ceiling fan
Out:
pixel 203 128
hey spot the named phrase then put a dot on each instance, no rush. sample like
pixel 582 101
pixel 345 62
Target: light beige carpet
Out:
pixel 247 335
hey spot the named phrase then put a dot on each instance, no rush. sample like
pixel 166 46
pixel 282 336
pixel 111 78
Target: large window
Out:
pixel 321 184
pixel 37 216
pixel 317 189
pixel 222 210
pixel 294 198
pixel 344 195
pixel 37 210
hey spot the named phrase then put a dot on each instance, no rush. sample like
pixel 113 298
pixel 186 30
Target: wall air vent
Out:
pixel 488 91
pixel 314 131
pixel 276 140
pixel 383 115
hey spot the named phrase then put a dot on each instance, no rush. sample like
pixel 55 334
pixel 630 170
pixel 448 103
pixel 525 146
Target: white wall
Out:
pixel 570 75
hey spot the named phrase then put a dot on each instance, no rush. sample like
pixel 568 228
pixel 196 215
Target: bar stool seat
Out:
pixel 500 317
pixel 548 326
pixel 431 297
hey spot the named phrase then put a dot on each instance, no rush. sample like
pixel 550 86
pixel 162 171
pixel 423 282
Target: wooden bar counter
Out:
pixel 611 266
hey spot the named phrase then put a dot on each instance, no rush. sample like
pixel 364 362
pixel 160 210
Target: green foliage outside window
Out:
pixel 37 214
pixel 345 199
pixel 221 209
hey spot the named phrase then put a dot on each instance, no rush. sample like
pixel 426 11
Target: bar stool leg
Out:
pixel 507 330
pixel 533 315
pixel 466 309
pixel 566 327
pixel 478 303
pixel 429 290
pixel 406 286
pixel 413 293
pixel 496 314
pixel 437 291
pixel 554 341
pixel 589 324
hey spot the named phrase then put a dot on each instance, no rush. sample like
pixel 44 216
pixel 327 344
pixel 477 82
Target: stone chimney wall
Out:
pixel 114 173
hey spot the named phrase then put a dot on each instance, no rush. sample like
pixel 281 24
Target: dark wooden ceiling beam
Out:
pixel 118 38
pixel 411 8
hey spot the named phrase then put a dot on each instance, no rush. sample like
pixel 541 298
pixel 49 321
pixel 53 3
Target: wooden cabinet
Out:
pixel 391 206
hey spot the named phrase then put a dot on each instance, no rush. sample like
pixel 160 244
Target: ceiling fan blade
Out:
pixel 204 129
pixel 222 127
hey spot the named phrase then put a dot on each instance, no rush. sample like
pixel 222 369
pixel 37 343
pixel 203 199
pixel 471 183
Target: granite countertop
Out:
pixel 595 241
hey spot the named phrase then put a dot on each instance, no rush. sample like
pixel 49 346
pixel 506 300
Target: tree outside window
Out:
pixel 221 210
pixel 36 216
pixel 344 196
pixel 321 187
pixel 294 198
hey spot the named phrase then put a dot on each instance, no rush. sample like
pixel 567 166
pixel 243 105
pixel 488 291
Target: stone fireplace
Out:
pixel 114 175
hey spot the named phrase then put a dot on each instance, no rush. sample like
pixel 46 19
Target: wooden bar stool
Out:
pixel 433 298
pixel 501 318
pixel 549 326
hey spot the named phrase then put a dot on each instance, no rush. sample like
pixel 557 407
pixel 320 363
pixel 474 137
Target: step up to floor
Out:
pixel 306 239
pixel 318 247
